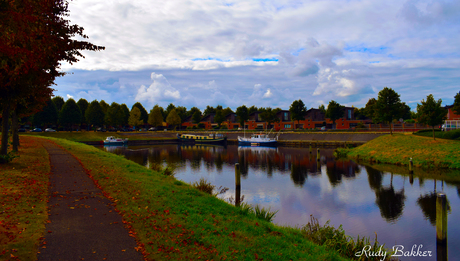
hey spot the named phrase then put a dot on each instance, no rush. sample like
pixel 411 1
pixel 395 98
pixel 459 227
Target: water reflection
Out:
pixel 400 208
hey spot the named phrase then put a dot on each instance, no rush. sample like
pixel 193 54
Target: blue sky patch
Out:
pixel 362 49
pixel 265 59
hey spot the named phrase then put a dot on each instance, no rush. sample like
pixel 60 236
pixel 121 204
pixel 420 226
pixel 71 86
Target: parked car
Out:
pixel 152 129
pixel 36 130
pixel 21 130
pixel 49 130
pixel 101 129
pixel 113 130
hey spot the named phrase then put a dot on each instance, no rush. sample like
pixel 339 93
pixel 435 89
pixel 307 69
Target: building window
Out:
pixel 287 126
pixel 285 116
pixel 349 114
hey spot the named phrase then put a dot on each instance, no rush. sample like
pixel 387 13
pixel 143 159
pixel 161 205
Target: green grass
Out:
pixel 173 220
pixel 399 148
pixel 450 135
pixel 23 201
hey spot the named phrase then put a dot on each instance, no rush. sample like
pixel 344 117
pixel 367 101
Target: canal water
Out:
pixel 397 207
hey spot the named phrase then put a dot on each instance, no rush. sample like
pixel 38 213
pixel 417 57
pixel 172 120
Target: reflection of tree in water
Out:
pixel 427 203
pixel 390 202
pixel 219 161
pixel 335 170
pixel 374 177
pixel 244 165
pixel 299 174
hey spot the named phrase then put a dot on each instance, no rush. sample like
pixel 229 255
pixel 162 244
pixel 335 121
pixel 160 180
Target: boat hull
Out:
pixel 117 143
pixel 273 143
pixel 207 141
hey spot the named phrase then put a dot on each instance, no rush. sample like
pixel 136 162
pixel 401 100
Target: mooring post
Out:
pixel 411 166
pixel 317 154
pixel 310 147
pixel 441 227
pixel 237 184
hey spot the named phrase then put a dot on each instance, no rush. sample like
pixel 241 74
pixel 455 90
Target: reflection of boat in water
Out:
pixel 258 140
pixel 257 149
pixel 212 138
pixel 114 148
pixel 111 140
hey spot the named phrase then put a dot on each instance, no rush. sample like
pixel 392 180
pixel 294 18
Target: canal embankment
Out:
pixel 400 149
pixel 293 139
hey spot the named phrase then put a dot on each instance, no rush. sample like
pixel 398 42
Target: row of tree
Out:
pixel 386 108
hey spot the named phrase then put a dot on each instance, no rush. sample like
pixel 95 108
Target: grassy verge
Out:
pixel 173 220
pixel 92 136
pixel 398 149
pixel 23 200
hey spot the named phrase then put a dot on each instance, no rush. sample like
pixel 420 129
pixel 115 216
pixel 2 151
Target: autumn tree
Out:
pixel 59 102
pixel 192 111
pixel 94 114
pixel 124 114
pixel 242 113
pixel 144 114
pixel 219 117
pixel 83 105
pixel 135 117
pixel 369 109
pixel 209 110
pixel 155 116
pixel 269 115
pixel 196 117
pixel 298 111
pixel 173 118
pixel 35 37
pixel 182 112
pixel 114 115
pixel 431 112
pixel 49 115
pixel 322 108
pixel 388 107
pixel 252 109
pixel 70 114
pixel 334 111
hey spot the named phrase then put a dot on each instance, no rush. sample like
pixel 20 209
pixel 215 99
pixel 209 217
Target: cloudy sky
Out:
pixel 266 53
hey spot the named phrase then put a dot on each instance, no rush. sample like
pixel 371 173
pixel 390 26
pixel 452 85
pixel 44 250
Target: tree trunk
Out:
pixel 391 129
pixel 5 118
pixel 14 129
pixel 433 133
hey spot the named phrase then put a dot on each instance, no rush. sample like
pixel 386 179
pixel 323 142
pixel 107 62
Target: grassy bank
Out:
pixel 398 149
pixel 451 135
pixel 172 220
pixel 23 200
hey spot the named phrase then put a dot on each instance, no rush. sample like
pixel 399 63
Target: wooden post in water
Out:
pixel 237 184
pixel 317 154
pixel 441 227
pixel 310 147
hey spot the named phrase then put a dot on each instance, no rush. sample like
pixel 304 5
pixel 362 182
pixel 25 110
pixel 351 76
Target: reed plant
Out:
pixel 347 246
pixel 265 214
pixel 206 187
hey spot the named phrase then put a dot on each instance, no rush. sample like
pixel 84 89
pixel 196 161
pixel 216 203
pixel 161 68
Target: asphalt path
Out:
pixel 83 224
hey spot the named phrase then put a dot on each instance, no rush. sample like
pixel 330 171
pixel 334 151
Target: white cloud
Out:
pixel 69 96
pixel 313 50
pixel 159 90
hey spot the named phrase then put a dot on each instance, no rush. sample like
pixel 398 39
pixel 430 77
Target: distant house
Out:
pixel 451 116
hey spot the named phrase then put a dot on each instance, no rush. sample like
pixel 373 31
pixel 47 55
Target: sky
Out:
pixel 266 53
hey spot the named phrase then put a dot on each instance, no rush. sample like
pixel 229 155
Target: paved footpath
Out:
pixel 84 224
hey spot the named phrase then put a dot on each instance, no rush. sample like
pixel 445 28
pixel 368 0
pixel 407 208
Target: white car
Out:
pixel 49 130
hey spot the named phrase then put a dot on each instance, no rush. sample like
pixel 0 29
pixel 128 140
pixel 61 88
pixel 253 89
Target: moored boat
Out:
pixel 111 140
pixel 212 138
pixel 258 139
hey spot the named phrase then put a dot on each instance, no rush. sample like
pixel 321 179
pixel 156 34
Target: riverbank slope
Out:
pixel 172 220
pixel 399 149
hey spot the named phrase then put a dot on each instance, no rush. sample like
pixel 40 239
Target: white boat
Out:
pixel 259 139
pixel 111 140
